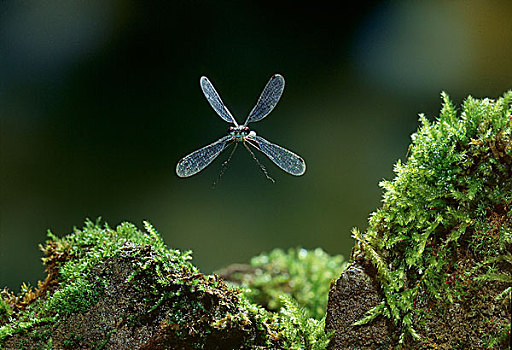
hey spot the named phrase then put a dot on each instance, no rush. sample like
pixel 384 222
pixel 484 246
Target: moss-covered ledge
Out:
pixel 123 288
pixel 436 260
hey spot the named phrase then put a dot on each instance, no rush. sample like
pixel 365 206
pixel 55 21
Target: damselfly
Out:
pixel 283 158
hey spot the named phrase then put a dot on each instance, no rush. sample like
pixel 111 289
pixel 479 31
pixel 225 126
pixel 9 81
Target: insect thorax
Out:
pixel 240 132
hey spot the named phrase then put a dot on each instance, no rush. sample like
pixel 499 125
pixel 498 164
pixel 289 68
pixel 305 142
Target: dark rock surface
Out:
pixel 351 296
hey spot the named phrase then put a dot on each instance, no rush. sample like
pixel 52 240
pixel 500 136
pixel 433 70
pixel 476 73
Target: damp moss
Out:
pixel 443 236
pixel 111 286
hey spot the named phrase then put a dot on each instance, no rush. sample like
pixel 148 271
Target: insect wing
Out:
pixel 215 101
pixel 268 99
pixel 286 160
pixel 200 159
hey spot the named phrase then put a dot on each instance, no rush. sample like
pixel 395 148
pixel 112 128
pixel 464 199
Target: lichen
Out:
pixel 443 236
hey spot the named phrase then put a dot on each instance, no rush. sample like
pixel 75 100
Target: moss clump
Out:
pixel 296 283
pixel 301 274
pixel 110 288
pixel 443 237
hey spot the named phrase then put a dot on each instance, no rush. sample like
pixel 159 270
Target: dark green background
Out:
pixel 100 99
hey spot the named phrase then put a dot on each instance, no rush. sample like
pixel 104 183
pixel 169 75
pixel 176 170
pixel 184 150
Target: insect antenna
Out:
pixel 257 161
pixel 224 166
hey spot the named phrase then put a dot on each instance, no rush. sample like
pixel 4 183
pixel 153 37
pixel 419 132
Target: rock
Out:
pixel 433 270
pixel 353 294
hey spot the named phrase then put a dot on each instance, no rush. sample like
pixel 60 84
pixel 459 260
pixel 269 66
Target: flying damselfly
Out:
pixel 283 158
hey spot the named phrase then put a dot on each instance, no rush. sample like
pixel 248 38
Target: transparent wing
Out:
pixel 200 159
pixel 286 160
pixel 268 99
pixel 215 101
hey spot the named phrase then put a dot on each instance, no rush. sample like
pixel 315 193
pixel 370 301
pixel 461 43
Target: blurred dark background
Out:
pixel 100 99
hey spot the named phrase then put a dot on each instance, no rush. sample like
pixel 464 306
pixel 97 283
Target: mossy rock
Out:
pixel 123 288
pixel 440 248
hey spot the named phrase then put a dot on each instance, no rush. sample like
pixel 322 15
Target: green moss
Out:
pixel 103 281
pixel 295 285
pixel 301 274
pixel 5 310
pixel 303 331
pixel 74 257
pixel 452 196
